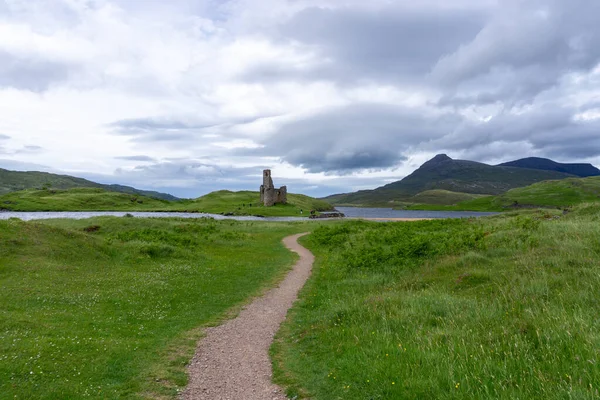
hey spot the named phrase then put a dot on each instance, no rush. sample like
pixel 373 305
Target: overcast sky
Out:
pixel 190 96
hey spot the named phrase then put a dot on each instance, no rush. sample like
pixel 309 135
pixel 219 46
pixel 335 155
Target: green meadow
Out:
pixel 95 199
pixel 503 307
pixel 496 308
pixel 110 307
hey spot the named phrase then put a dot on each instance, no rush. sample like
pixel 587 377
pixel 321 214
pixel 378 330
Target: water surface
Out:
pixel 352 212
pixel 28 216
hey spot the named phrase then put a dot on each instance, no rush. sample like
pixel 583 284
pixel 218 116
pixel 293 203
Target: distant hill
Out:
pixel 547 194
pixel 444 173
pixel 13 181
pixel 582 170
pixel 81 199
pixel 98 199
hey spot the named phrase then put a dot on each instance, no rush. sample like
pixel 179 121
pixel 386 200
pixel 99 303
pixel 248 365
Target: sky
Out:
pixel 191 96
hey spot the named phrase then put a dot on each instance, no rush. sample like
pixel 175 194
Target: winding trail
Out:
pixel 232 361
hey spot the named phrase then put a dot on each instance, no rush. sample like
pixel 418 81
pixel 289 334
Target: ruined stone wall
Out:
pixel 270 196
pixel 281 195
pixel 267 180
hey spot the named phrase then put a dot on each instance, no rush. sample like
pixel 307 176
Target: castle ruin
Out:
pixel 270 196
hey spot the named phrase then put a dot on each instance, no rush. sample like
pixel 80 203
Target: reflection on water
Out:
pixel 352 212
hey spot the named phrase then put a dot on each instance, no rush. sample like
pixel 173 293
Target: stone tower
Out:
pixel 270 196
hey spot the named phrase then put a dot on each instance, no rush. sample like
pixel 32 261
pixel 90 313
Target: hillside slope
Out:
pixel 248 203
pixel 444 173
pixel 80 199
pixel 443 197
pixel 14 181
pixel 96 199
pixel 548 194
pixel 581 170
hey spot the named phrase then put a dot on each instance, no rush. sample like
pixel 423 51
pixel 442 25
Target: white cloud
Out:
pixel 123 88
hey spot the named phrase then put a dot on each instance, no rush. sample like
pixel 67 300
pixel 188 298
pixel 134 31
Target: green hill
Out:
pixel 581 170
pixel 14 181
pixel 248 203
pixel 444 173
pixel 95 199
pixel 548 194
pixel 80 199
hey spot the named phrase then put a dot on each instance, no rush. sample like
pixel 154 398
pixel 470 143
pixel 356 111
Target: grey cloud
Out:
pixel 136 158
pixel 369 137
pixel 31 74
pixel 24 166
pixel 358 137
pixel 525 49
pixel 29 149
pixel 510 87
pixel 137 126
pixel 22 150
pixel 4 137
pixel 549 131
pixel 191 177
pixel 391 44
pixel 172 129
pixel 158 129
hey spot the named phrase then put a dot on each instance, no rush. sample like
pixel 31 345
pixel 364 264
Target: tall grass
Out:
pixel 562 193
pixel 504 307
pixel 111 307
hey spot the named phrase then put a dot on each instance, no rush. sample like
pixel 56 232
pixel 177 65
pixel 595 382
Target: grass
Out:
pixel 248 203
pixel 93 199
pixel 13 181
pixel 548 194
pixel 112 307
pixel 79 199
pixel 487 203
pixel 503 307
pixel 443 197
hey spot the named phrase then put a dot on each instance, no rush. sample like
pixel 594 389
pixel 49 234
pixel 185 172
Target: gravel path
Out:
pixel 232 362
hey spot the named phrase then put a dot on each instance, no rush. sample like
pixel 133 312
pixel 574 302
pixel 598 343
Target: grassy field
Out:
pixel 111 307
pixel 93 199
pixel 549 194
pixel 497 308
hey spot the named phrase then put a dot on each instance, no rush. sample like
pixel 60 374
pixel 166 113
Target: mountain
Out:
pixel 13 181
pixel 582 170
pixel 442 172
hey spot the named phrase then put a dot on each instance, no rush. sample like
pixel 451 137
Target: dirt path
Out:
pixel 232 362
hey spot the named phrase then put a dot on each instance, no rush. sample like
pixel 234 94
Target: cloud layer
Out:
pixel 194 95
